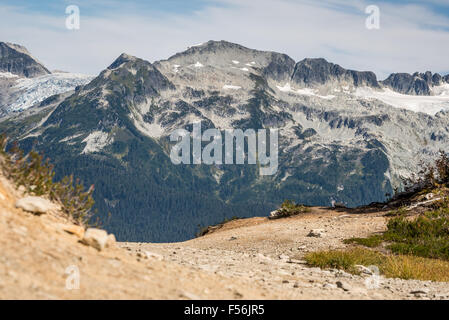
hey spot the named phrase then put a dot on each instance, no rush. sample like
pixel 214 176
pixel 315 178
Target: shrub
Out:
pixel 430 176
pixel 36 175
pixel 289 208
pixel 426 235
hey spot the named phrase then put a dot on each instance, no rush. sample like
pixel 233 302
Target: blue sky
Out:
pixel 413 35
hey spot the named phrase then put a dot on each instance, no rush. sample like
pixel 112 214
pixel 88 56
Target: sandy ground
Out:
pixel 246 259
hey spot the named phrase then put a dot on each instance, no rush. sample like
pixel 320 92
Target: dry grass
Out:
pixel 411 267
pixel 391 266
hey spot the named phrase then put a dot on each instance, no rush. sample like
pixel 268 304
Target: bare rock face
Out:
pixel 95 238
pixel 36 205
pixel 319 71
pixel 419 84
pixel 17 60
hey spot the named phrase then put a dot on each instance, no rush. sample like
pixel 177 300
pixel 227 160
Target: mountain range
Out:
pixel 344 136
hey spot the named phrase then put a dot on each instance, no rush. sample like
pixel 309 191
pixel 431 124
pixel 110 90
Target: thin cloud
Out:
pixel 332 29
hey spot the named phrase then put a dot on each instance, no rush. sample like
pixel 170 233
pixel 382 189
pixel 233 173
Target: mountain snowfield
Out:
pixel 31 91
pixel 344 136
pixel 425 104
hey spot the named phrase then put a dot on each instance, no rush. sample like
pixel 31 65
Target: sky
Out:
pixel 412 36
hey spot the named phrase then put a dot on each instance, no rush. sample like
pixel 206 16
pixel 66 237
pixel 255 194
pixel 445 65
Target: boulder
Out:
pixel 95 238
pixel 37 205
pixel 317 233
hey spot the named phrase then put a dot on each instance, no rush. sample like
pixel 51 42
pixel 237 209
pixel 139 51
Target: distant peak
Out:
pixel 123 58
pixel 17 60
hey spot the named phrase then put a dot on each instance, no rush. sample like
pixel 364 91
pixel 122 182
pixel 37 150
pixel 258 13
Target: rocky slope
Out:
pixel 39 256
pixel 344 137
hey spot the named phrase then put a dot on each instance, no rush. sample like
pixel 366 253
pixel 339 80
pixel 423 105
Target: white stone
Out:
pixel 152 255
pixel 36 205
pixel 95 238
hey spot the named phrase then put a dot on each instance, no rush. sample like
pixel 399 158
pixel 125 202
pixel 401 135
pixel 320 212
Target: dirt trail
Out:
pixel 269 253
pixel 246 259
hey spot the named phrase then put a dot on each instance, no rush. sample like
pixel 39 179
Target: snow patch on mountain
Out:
pixel 228 86
pixel 425 104
pixel 8 75
pixel 35 90
pixel 304 92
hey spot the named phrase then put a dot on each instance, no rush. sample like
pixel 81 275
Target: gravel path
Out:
pixel 268 254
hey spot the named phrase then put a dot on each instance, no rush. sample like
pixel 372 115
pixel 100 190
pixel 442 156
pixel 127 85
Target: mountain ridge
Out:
pixel 336 144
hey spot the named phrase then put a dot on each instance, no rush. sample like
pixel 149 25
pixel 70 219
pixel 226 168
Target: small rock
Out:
pixel 110 242
pixel 329 286
pixel 284 257
pixel 343 286
pixel 363 269
pixel 297 261
pixel 153 255
pixel 318 233
pixel 274 214
pixel 343 216
pixel 296 285
pixel 232 238
pixel 419 292
pixel 36 205
pixel 74 229
pixel 189 295
pixel 263 257
pixel 429 196
pixel 2 197
pixel 95 238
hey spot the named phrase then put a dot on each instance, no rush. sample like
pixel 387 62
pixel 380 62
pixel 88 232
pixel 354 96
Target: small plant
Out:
pixel 289 208
pixel 36 175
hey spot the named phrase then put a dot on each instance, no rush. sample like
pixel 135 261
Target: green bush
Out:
pixel 426 235
pixel 36 175
pixel 289 208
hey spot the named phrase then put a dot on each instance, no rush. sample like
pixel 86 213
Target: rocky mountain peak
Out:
pixel 313 72
pixel 17 60
pixel 419 84
pixel 122 59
